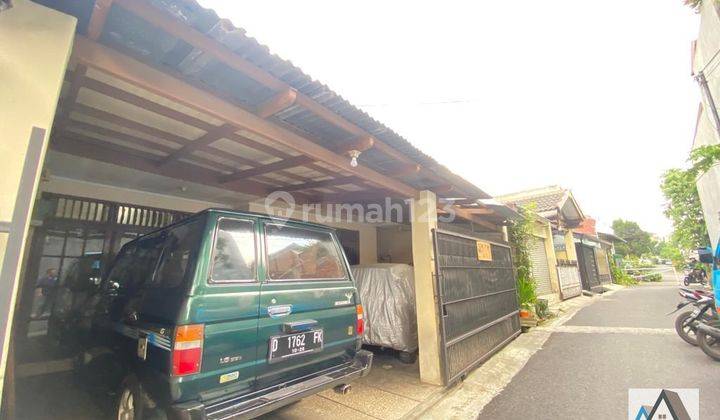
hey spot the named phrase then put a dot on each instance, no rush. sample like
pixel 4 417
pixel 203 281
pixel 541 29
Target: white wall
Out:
pixel 707 45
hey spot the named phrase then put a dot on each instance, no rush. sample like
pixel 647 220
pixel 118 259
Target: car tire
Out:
pixel 684 331
pixel 134 404
pixel 710 345
pixel 407 357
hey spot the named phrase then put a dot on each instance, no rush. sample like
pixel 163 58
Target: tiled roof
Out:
pixel 545 199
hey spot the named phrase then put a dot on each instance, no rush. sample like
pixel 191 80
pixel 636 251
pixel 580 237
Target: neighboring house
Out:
pixel 594 254
pixel 704 62
pixel 553 253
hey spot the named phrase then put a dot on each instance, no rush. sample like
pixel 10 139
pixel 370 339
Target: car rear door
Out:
pixel 308 314
pixel 226 304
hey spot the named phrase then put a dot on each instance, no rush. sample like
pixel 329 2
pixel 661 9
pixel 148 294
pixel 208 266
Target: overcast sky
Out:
pixel 595 96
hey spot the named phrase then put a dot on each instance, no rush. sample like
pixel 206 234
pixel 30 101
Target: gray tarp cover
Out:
pixel 388 297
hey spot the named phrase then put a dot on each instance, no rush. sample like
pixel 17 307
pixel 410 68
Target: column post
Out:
pixel 424 220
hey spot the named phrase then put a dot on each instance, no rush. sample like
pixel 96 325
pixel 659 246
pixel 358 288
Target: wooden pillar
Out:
pixel 552 258
pixel 570 245
pixel 424 220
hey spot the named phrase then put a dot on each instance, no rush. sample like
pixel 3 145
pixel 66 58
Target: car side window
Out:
pixel 178 256
pixel 136 264
pixel 302 254
pixel 234 251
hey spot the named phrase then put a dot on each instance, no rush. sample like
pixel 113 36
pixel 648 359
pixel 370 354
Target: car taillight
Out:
pixel 360 326
pixel 187 350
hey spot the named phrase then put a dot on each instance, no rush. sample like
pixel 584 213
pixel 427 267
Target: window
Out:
pixel 302 254
pixel 136 263
pixel 234 251
pixel 179 254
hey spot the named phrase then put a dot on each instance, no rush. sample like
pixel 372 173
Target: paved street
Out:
pixel 586 366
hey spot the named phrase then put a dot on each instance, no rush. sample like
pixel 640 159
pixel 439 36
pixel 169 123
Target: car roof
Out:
pixel 208 211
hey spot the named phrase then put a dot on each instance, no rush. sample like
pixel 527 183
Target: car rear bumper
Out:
pixel 249 406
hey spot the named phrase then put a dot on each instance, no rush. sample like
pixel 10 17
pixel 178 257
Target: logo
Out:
pixel 663 404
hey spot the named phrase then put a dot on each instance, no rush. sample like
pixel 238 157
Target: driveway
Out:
pixel 586 366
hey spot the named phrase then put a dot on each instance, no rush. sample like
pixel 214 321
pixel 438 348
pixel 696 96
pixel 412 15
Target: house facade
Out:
pixel 553 251
pixel 707 131
pixel 123 117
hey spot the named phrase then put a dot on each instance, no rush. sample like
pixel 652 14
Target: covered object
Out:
pixel 387 292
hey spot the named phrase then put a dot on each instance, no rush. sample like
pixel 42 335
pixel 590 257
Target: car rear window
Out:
pixel 136 263
pixel 234 251
pixel 179 255
pixel 295 253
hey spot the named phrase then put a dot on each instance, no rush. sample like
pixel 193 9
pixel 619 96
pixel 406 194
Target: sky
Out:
pixel 594 96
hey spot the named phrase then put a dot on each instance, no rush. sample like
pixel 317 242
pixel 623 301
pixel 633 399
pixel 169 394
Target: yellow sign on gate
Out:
pixel 484 251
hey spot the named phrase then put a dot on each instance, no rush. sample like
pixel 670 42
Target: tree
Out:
pixel 669 251
pixel 637 241
pixel 683 206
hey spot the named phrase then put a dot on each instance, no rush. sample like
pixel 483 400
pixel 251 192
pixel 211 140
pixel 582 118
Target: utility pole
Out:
pixel 700 78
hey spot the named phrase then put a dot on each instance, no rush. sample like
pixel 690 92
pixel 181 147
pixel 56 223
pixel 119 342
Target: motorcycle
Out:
pixel 686 324
pixel 708 338
pixel 695 275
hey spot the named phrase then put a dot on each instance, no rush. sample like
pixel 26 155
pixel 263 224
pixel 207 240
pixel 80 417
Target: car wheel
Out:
pixel 685 331
pixel 407 357
pixel 709 344
pixel 134 404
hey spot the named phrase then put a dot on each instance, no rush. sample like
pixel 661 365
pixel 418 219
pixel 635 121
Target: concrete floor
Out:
pixel 583 368
pixel 392 390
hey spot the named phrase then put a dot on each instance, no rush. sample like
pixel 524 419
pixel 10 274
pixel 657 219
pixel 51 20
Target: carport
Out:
pixel 139 113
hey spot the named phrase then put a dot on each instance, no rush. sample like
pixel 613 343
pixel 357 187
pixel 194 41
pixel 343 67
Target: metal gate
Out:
pixel 540 269
pixel 569 277
pixel 477 300
pixel 588 267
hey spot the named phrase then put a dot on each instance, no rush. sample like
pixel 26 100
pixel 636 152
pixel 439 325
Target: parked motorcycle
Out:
pixel 695 275
pixel 708 338
pixel 686 324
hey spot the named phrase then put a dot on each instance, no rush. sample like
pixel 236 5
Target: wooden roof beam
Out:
pixel 160 83
pixel 271 167
pixel 404 169
pixel 98 16
pixel 322 184
pixel 205 140
pixel 362 144
pixel 277 103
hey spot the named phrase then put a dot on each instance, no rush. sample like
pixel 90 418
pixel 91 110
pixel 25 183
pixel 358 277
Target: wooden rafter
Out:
pixel 277 103
pixel 271 167
pixel 206 139
pixel 362 144
pixel 404 169
pixel 171 113
pixel 97 19
pixel 130 70
pixel 146 162
pixel 220 52
pixel 322 184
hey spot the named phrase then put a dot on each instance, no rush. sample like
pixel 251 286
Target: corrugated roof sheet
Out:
pixel 134 36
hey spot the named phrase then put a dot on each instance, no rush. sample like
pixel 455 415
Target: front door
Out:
pixel 307 305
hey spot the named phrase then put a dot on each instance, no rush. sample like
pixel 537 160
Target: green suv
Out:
pixel 225 315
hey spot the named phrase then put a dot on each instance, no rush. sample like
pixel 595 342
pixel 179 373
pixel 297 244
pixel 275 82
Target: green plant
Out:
pixel 683 202
pixel 621 277
pixel 542 309
pixel 520 234
pixel 654 277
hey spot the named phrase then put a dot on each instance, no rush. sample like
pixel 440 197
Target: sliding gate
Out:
pixel 477 300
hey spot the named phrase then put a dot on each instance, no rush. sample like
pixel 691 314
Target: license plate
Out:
pixel 284 346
